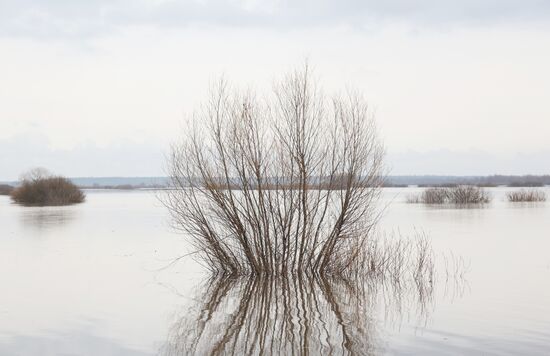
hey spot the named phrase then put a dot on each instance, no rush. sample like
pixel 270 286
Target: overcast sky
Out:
pixel 101 88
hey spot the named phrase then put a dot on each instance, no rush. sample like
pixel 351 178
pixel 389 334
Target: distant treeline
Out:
pixel 124 186
pixel 481 181
pixel 128 183
pixel 120 182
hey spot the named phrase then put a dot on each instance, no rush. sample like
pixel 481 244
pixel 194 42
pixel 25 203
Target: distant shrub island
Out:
pixel 461 195
pixel 40 188
pixel 526 195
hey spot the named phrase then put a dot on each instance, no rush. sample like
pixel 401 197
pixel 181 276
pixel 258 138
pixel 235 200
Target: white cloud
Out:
pixel 70 18
pixel 115 71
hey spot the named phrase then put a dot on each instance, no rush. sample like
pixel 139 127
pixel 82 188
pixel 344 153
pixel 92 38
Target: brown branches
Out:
pixel 40 188
pixel 526 195
pixel 460 195
pixel 283 184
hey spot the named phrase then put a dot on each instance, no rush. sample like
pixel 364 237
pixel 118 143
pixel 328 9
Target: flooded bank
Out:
pixel 91 279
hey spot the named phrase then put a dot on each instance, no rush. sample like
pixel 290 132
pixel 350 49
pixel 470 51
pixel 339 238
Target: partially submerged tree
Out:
pixel 38 187
pixel 526 195
pixel 282 184
pixel 458 195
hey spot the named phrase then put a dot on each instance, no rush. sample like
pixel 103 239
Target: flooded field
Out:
pixel 96 279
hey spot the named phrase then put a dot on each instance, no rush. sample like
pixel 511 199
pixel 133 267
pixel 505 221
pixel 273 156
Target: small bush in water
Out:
pixel 526 195
pixel 462 194
pixel 46 190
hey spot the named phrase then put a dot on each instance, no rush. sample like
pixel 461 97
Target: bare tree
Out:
pixel 282 184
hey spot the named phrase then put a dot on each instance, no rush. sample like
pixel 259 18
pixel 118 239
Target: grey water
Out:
pixel 97 279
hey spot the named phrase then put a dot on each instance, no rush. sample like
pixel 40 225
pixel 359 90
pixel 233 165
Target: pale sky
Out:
pixel 101 88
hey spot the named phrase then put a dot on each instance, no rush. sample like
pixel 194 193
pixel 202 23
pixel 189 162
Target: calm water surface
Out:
pixel 93 279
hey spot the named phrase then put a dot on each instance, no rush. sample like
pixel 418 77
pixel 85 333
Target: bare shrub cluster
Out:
pixel 430 196
pixel 526 195
pixel 398 258
pixel 39 188
pixel 282 184
pixel 468 194
pixel 461 194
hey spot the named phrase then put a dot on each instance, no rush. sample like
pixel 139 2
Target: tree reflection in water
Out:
pixel 294 315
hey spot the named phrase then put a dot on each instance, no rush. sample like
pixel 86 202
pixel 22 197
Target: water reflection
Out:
pixel 41 218
pixel 294 316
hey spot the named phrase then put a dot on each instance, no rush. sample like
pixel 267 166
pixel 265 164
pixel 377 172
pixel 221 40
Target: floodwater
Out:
pixel 96 279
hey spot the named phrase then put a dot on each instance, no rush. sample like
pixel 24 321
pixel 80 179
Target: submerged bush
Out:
pixel 429 196
pixel 468 194
pixel 280 184
pixel 462 194
pixel 526 195
pixel 43 189
pixel 435 195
